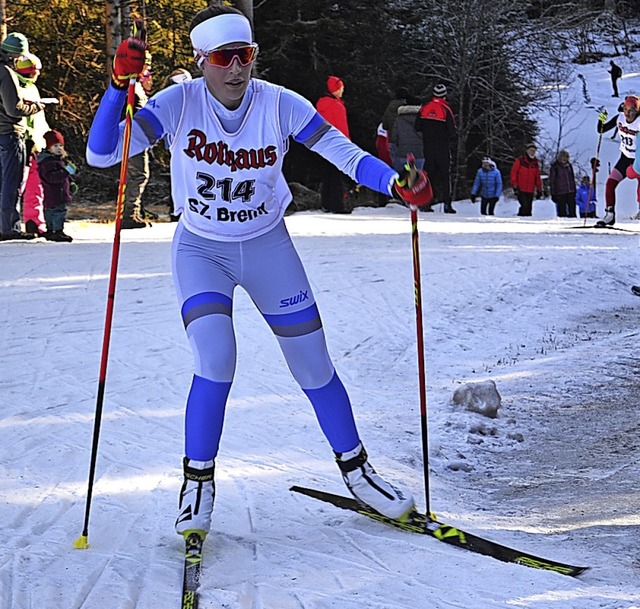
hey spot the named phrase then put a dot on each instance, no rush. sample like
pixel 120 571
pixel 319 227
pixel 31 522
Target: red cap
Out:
pixel 334 84
pixel 53 137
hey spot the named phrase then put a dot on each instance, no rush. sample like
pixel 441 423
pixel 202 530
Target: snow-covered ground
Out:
pixel 542 309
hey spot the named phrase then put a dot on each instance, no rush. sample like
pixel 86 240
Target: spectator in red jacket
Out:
pixel 526 180
pixel 437 125
pixel 331 107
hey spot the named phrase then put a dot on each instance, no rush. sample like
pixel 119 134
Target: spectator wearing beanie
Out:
pixel 15 44
pixel 331 107
pixel 55 172
pixel 28 68
pixel 438 128
pixel 13 108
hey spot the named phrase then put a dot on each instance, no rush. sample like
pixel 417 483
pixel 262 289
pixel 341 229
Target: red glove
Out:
pixel 128 62
pixel 413 187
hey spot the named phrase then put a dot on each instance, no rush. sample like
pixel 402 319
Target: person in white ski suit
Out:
pixel 228 134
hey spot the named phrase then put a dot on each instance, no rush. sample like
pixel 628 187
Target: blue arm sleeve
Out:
pixel 104 132
pixel 375 174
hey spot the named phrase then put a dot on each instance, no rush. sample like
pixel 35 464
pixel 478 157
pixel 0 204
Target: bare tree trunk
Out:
pixel 118 25
pixel 111 32
pixel 3 19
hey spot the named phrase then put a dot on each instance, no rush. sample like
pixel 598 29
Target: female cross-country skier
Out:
pixel 228 135
pixel 628 124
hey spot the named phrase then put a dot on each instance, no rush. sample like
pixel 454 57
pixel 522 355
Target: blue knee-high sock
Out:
pixel 333 410
pixel 204 417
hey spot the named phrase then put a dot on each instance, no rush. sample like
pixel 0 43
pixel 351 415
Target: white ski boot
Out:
pixel 609 217
pixel 196 498
pixel 369 488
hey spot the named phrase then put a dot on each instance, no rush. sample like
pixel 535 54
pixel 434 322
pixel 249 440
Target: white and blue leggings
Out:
pixel 206 273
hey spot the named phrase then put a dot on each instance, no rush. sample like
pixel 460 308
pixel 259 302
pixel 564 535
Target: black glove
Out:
pixel 473 198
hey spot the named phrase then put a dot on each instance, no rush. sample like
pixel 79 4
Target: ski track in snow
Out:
pixel 550 475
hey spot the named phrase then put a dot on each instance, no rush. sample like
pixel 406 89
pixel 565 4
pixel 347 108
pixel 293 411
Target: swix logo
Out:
pixel 294 300
pixel 219 153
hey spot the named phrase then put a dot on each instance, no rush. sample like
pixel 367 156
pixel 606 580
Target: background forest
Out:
pixel 500 60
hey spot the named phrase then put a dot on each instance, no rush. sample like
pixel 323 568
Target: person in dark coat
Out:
pixel 55 173
pixel 616 74
pixel 383 134
pixel 438 128
pixel 391 111
pixel 13 108
pixel 332 108
pixel 562 186
pixel 404 138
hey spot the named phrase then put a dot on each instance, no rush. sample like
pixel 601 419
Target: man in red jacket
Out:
pixel 438 127
pixel 331 107
pixel 526 180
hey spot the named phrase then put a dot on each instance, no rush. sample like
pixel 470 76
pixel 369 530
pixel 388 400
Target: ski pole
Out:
pixel 594 169
pixel 83 541
pixel 417 289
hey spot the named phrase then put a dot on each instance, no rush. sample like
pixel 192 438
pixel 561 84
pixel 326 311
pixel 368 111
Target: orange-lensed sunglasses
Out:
pixel 222 58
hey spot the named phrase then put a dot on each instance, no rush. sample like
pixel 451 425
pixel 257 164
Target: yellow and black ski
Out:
pixel 192 569
pixel 416 522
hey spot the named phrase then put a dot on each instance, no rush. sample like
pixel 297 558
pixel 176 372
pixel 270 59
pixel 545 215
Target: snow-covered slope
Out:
pixel 543 310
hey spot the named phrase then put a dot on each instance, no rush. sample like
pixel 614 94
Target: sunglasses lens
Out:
pixel 223 57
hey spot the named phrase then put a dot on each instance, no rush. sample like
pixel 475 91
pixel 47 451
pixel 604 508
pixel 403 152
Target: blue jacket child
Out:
pixel 488 184
pixel 587 208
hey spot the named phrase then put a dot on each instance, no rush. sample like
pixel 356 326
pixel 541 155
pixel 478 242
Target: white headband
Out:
pixel 219 31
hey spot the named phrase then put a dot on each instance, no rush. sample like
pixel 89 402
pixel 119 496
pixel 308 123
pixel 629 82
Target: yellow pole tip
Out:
pixel 82 543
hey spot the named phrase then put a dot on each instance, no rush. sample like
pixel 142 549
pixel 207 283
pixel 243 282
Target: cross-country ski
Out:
pixel 415 522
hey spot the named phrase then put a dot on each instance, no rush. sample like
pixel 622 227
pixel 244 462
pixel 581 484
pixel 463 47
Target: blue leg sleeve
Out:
pixel 205 415
pixel 333 410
